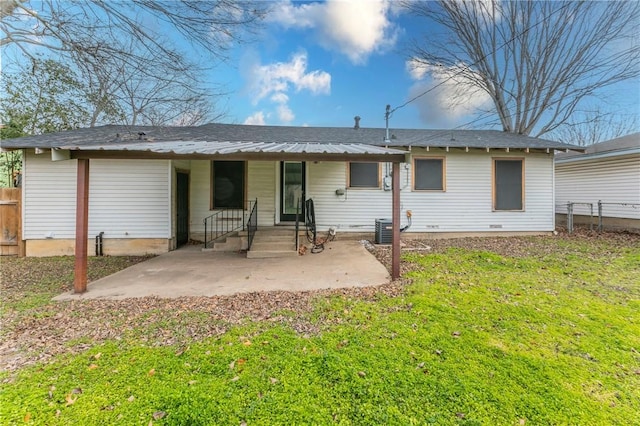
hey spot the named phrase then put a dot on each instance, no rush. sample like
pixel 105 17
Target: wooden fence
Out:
pixel 11 222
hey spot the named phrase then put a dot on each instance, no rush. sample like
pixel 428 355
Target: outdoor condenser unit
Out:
pixel 384 231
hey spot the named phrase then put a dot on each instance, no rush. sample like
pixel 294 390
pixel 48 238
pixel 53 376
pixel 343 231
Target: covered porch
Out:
pixel 178 151
pixel 189 271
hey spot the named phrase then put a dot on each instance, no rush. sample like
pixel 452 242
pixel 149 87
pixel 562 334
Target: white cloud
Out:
pixel 285 114
pixel 452 94
pixel 275 81
pixel 280 98
pixel 355 28
pixel 416 69
pixel 256 119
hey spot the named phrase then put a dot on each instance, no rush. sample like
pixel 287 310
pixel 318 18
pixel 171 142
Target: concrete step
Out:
pixel 272 245
pixel 264 254
pixel 276 232
pixel 273 242
pixel 230 244
pixel 277 239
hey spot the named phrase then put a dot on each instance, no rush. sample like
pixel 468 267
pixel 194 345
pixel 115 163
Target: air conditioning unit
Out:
pixel 384 231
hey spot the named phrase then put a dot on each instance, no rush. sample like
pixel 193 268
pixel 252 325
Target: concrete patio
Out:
pixel 191 272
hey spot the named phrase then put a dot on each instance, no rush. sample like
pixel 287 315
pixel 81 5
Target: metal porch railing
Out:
pixel 225 221
pixel 252 224
pixel 298 223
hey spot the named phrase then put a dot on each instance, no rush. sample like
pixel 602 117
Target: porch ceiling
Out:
pixel 298 151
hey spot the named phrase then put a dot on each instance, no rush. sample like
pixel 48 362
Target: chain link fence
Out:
pixel 620 211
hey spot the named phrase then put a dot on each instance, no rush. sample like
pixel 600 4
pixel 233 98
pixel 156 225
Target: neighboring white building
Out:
pixel 150 193
pixel 607 172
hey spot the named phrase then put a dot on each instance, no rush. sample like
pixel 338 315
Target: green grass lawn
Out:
pixel 551 336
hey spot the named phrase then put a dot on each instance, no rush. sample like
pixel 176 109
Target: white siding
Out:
pixel 611 180
pixel 127 198
pixel 465 206
pixel 199 194
pixel 261 184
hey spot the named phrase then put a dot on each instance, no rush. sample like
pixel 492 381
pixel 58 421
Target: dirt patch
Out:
pixel 37 333
pixel 535 246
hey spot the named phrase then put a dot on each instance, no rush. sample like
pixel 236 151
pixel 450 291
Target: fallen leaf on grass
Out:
pixel 97 356
pixel 70 400
pixel 158 415
pixel 247 343
pixel 456 334
pixel 273 380
pixel 92 367
pixel 152 372
pixel 131 398
pixel 27 417
pixel 182 350
pixel 361 373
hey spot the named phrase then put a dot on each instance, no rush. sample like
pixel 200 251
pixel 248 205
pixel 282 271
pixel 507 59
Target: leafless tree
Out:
pixel 150 89
pixel 537 60
pixel 132 72
pixel 593 126
pixel 91 25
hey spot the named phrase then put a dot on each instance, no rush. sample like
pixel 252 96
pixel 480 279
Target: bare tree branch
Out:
pixel 537 60
pixel 212 26
pixel 131 71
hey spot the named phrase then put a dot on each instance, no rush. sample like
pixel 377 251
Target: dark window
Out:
pixel 428 174
pixel 227 184
pixel 508 185
pixel 364 175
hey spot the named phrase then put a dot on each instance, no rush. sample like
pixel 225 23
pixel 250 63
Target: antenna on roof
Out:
pixel 357 120
pixel 386 119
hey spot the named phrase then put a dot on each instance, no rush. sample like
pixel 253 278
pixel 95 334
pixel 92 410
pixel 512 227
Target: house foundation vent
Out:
pixel 384 231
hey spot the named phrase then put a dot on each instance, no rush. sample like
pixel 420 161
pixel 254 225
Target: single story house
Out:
pixel 604 179
pixel 149 189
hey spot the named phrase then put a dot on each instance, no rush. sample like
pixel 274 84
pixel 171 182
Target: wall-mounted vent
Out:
pixel 495 226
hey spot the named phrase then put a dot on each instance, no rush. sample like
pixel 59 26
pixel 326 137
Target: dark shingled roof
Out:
pixel 618 146
pixel 93 138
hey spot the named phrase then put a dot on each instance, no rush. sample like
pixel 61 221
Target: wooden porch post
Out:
pixel 395 241
pixel 82 226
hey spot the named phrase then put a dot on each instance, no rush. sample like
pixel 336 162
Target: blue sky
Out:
pixel 322 63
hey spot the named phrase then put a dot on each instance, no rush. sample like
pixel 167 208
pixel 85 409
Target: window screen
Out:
pixel 364 175
pixel 508 185
pixel 428 174
pixel 228 184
